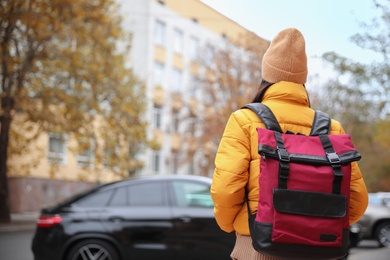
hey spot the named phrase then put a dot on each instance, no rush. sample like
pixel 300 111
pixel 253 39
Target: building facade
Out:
pixel 173 40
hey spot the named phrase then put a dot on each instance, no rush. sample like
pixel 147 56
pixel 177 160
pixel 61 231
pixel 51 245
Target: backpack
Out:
pixel 304 187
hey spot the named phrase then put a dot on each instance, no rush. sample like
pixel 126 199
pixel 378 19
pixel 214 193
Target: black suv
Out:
pixel 159 217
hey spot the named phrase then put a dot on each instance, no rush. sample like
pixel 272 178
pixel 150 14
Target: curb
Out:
pixel 377 254
pixel 13 227
pixel 20 222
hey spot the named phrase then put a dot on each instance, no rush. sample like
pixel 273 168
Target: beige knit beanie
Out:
pixel 285 59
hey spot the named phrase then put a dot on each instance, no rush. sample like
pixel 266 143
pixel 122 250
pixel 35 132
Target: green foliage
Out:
pixel 359 98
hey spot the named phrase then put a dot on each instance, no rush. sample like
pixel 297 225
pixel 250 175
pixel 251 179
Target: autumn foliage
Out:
pixel 359 97
pixel 63 70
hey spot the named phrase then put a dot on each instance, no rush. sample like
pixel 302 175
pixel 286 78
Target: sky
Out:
pixel 327 25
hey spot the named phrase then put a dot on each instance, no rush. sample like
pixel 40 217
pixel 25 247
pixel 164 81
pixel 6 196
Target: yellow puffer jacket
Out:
pixel 237 159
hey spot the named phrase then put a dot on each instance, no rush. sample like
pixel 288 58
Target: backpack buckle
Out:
pixel 283 154
pixel 333 158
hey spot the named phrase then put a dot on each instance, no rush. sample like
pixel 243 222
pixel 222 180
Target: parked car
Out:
pixel 165 217
pixel 375 223
pixel 355 235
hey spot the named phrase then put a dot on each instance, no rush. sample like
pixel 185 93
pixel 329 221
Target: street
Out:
pixel 16 245
pixel 368 249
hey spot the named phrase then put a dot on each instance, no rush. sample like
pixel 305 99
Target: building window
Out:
pixel 175 120
pixel 107 160
pixel 194 48
pixel 156 158
pixel 177 80
pixel 194 86
pixel 111 150
pixel 86 155
pixel 175 162
pixel 133 151
pixel 209 55
pixel 158 74
pixel 191 168
pixel 157 114
pixel 159 33
pixel 192 126
pixel 57 148
pixel 178 41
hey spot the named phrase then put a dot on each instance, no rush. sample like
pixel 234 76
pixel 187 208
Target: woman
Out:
pixel 284 72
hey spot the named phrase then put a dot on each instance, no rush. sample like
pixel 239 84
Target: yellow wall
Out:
pixel 21 166
pixel 208 17
pixel 159 54
pixel 178 61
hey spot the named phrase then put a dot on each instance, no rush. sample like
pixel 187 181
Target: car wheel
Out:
pixel 92 249
pixel 382 234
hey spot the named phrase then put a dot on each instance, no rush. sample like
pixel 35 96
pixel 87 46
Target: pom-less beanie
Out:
pixel 285 59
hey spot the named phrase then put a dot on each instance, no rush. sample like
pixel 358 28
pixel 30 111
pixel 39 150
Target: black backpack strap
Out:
pixel 334 160
pixel 270 122
pixel 284 161
pixel 321 128
pixel 266 116
pixel 321 124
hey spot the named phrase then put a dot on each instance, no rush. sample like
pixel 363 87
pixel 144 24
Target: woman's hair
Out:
pixel 264 85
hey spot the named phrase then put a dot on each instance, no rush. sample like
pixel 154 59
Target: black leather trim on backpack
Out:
pixel 262 242
pixel 345 158
pixel 321 124
pixel 306 203
pixel 266 116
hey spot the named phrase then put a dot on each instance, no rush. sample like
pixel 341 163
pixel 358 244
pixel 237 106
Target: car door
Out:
pixel 139 218
pixel 196 232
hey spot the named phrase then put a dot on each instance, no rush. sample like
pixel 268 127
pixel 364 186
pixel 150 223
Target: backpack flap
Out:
pixel 298 152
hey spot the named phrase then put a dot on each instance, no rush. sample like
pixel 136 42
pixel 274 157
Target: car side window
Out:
pixel 147 194
pixel 99 199
pixel 119 199
pixel 192 194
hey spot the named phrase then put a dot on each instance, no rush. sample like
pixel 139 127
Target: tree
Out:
pixel 63 70
pixel 232 78
pixel 359 98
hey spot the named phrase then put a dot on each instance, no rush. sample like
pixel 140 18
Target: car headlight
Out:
pixel 355 228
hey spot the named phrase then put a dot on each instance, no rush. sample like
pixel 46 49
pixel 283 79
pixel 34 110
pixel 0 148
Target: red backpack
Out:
pixel 304 186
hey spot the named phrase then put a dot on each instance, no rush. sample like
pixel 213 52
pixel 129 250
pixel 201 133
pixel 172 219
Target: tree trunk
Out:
pixel 5 121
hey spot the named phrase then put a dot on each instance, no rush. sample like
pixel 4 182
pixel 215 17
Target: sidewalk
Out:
pixel 20 222
pixel 377 254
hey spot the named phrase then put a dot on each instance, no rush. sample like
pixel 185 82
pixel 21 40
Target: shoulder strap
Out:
pixel 321 121
pixel 266 116
pixel 321 124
